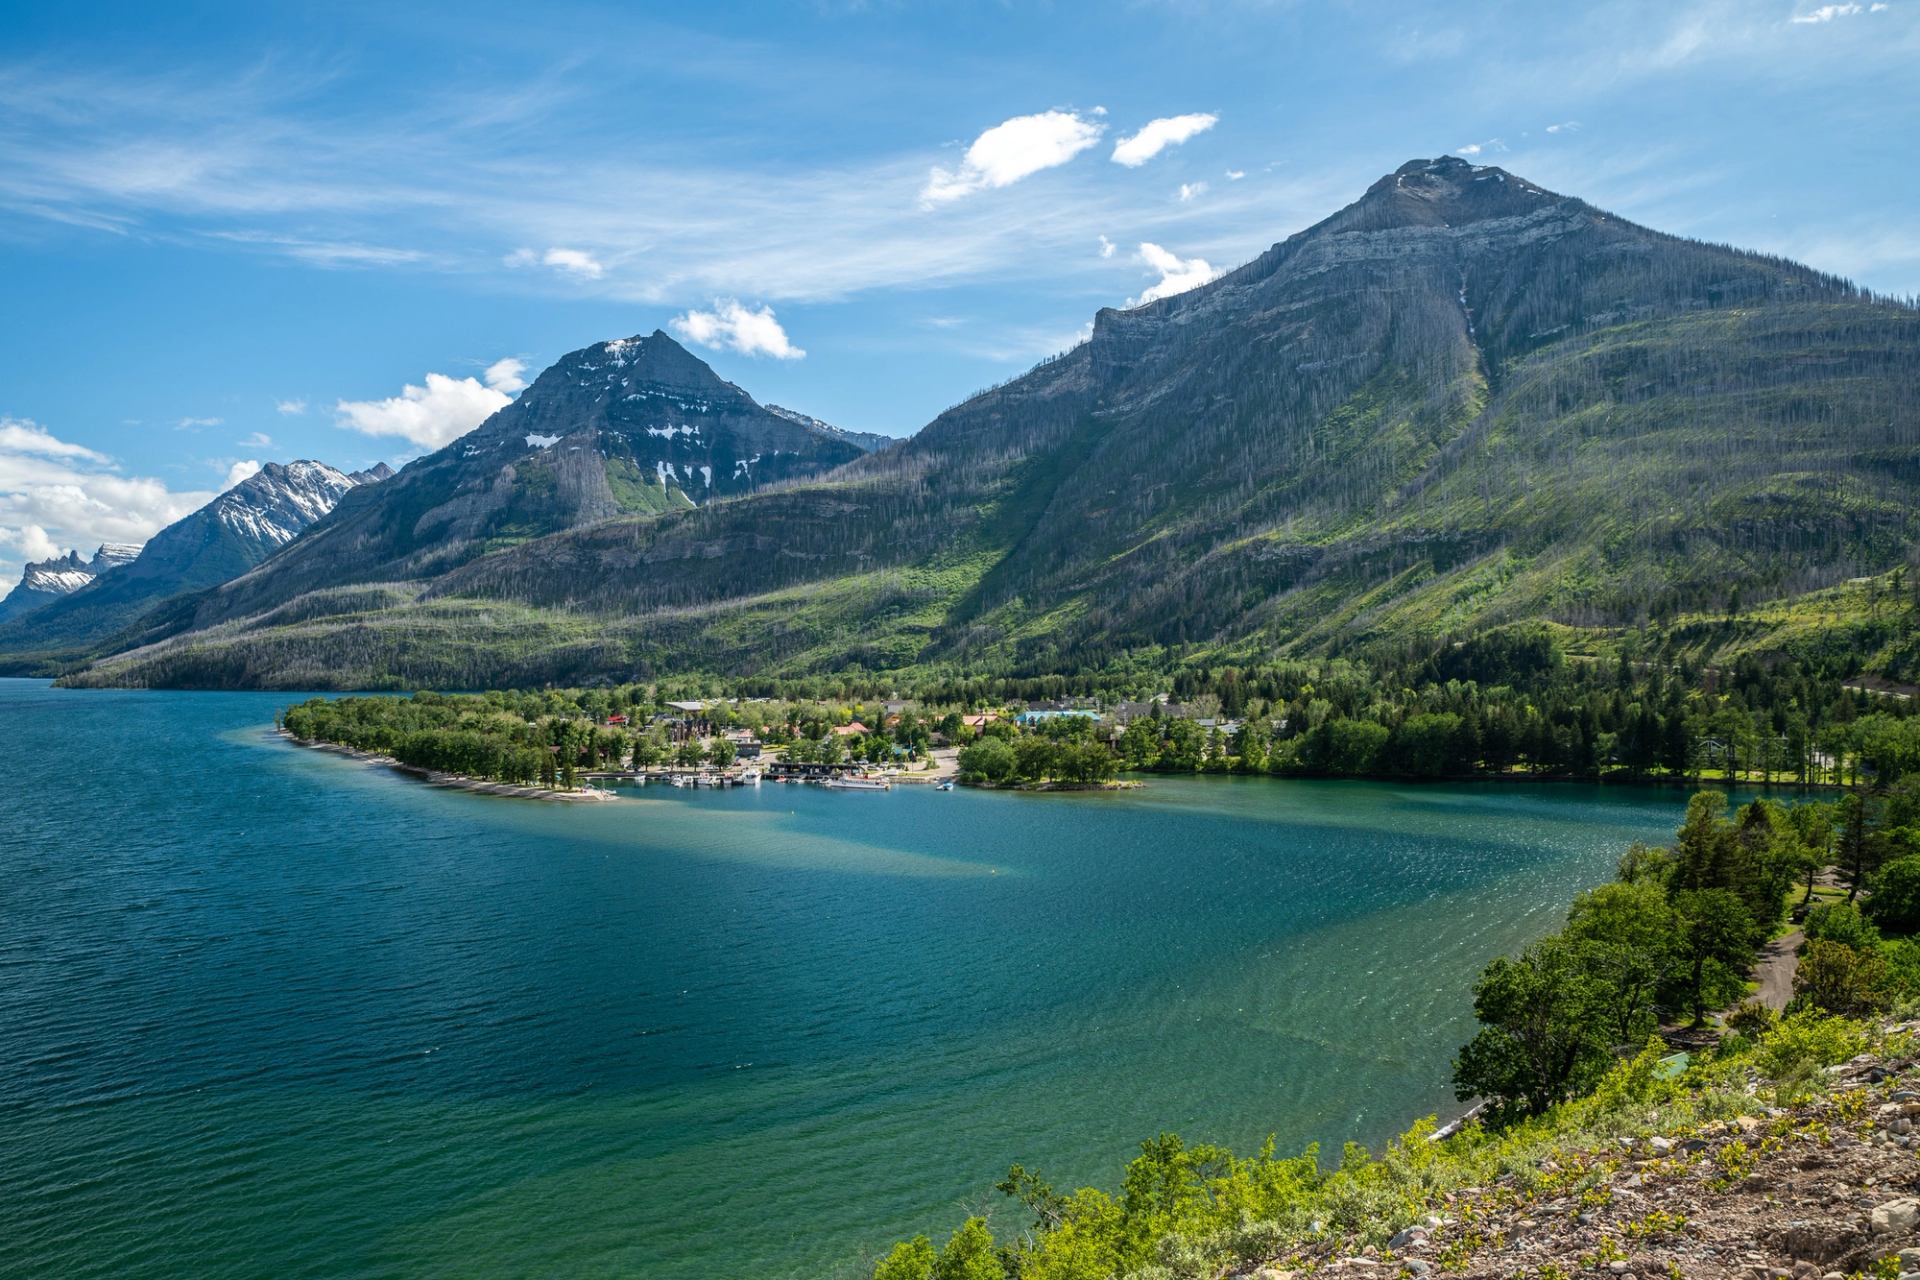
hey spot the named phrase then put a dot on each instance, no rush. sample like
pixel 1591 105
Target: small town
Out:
pixel 745 741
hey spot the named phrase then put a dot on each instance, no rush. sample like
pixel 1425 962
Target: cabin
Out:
pixel 849 730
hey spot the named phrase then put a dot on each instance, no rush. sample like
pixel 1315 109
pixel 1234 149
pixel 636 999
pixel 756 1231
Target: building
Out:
pixel 1045 714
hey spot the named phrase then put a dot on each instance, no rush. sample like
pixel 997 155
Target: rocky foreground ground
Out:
pixel 1824 1188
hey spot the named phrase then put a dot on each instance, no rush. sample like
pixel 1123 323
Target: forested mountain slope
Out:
pixel 633 426
pixel 222 540
pixel 1460 401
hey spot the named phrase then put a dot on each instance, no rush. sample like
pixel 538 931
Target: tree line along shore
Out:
pixel 1509 704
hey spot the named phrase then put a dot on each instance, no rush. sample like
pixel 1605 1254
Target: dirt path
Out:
pixel 1779 960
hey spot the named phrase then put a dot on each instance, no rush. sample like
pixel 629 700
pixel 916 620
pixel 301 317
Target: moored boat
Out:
pixel 859 784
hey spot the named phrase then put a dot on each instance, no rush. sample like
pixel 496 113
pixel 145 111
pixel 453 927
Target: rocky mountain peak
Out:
pixel 1444 191
pixel 652 359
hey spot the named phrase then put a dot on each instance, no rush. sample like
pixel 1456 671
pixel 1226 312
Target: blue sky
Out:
pixel 232 234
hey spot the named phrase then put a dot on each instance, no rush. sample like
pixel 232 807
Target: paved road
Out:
pixel 1778 961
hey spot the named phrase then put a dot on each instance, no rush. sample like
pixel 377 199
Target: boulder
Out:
pixel 1896 1215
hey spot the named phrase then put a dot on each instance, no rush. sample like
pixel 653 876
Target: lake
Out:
pixel 266 1011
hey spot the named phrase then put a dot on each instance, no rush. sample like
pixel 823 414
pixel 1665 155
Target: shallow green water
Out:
pixel 269 1012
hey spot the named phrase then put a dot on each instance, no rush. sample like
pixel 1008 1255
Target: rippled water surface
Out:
pixel 265 1011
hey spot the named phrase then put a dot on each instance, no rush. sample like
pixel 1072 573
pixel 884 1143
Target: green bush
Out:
pixel 1895 904
pixel 1841 922
pixel 1841 979
pixel 1806 1041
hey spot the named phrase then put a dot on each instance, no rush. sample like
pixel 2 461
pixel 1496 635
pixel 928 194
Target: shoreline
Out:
pixel 454 781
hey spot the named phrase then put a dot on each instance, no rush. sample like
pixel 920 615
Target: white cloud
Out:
pixel 1828 12
pixel 239 471
pixel 443 410
pixel 24 435
pixel 1234 175
pixel 1480 148
pixel 738 328
pixel 55 494
pixel 32 542
pixel 1107 247
pixel 258 440
pixel 1191 191
pixel 291 408
pixel 1158 135
pixel 1010 151
pixel 506 375
pixel 577 263
pixel 1177 274
pixel 1565 126
pixel 574 262
pixel 194 424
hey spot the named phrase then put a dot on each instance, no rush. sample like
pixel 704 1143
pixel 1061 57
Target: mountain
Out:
pixel 633 426
pixel 1461 401
pixel 230 535
pixel 45 581
pixel 866 441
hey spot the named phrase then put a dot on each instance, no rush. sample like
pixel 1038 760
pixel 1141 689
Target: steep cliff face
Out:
pixel 45 581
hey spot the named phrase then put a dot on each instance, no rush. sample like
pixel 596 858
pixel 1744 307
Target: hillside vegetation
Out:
pixel 1460 402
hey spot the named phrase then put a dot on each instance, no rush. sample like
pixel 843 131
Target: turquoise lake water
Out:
pixel 268 1012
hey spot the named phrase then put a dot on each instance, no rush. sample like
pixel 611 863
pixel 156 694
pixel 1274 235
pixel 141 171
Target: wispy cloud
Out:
pixel 258 440
pixel 1828 12
pixel 577 263
pixel 290 408
pixel 194 424
pixel 1157 135
pixel 1565 126
pixel 751 331
pixel 242 159
pixel 1191 191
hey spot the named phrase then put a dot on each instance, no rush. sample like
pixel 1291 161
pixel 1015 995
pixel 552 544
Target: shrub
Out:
pixel 908 1260
pixel 1752 1020
pixel 1841 922
pixel 1805 1042
pixel 1841 979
